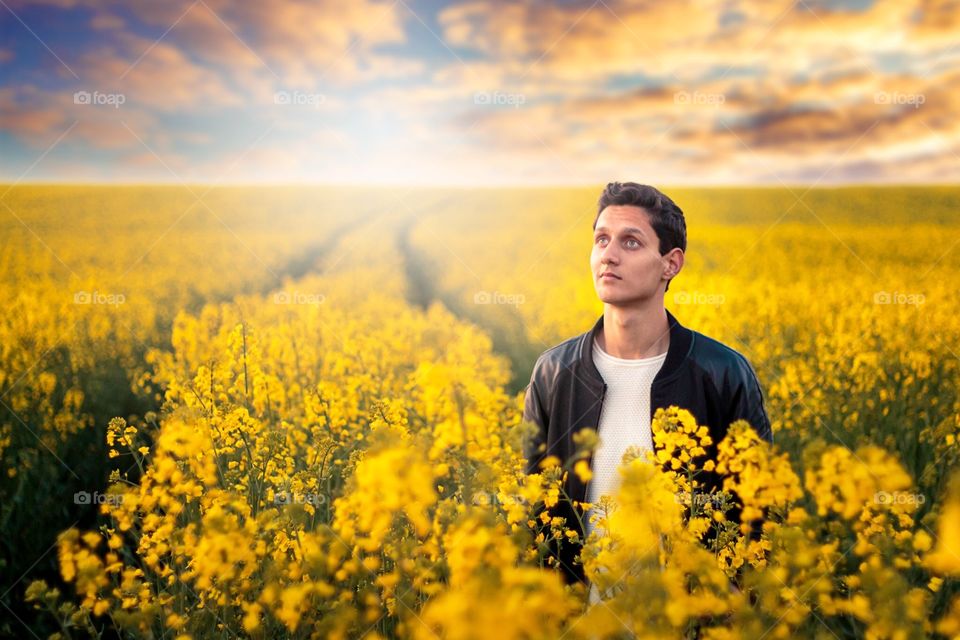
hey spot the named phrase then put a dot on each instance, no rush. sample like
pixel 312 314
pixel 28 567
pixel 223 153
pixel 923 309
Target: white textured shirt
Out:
pixel 624 418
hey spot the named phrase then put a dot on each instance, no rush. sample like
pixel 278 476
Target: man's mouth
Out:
pixel 611 276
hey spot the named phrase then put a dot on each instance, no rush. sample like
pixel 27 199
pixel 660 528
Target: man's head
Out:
pixel 639 237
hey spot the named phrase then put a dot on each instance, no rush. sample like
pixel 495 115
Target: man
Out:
pixel 636 358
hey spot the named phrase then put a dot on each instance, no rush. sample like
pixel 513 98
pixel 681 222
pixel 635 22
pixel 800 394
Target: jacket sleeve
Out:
pixel 534 448
pixel 748 404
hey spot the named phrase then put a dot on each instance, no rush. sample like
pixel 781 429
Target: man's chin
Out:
pixel 616 301
pixel 624 301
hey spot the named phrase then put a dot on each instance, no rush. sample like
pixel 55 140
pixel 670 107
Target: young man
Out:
pixel 636 358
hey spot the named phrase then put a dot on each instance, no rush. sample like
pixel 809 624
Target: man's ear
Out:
pixel 673 262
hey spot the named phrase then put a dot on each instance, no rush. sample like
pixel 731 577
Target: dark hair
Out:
pixel 666 218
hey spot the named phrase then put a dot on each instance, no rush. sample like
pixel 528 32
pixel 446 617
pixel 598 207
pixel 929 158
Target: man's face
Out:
pixel 625 245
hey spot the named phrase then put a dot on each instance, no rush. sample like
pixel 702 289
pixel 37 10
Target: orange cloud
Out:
pixel 682 91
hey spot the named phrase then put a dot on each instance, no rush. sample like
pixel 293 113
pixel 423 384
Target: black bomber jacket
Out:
pixel 565 394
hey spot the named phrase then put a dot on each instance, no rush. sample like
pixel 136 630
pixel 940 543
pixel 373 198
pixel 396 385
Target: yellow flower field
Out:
pixel 298 414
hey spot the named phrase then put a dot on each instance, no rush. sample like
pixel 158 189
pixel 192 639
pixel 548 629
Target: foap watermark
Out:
pixel 699 297
pixel 286 497
pixel 86 497
pixel 99 99
pixel 898 497
pixel 701 499
pixel 495 297
pixel 898 297
pixel 895 97
pixel 499 99
pixel 491 498
pixel 98 297
pixel 297 297
pixel 299 99
pixel 699 98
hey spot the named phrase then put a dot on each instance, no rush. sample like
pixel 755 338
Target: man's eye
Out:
pixel 600 239
pixel 635 243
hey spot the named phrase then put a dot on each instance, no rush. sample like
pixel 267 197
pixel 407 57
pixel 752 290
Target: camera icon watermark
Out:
pixel 496 297
pixel 98 297
pixel 700 98
pixel 96 98
pixel 297 297
pixel 299 99
pixel 88 498
pixel 897 98
pixel 699 297
pixel 282 498
pixel 701 499
pixel 898 297
pixel 898 497
pixel 494 498
pixel 499 99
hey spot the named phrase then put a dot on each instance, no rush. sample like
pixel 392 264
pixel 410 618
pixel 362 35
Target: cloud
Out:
pixel 166 79
pixel 26 122
pixel 518 90
pixel 746 90
pixel 107 22
pixel 300 43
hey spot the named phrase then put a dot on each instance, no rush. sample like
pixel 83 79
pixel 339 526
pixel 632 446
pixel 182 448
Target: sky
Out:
pixel 480 92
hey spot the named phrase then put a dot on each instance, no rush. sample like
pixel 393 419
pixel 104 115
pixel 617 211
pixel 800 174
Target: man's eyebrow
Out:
pixel 635 230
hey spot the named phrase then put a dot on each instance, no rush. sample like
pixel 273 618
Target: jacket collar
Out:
pixel 681 340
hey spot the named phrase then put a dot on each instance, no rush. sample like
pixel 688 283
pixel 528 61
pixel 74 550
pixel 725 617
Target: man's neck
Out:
pixel 634 333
